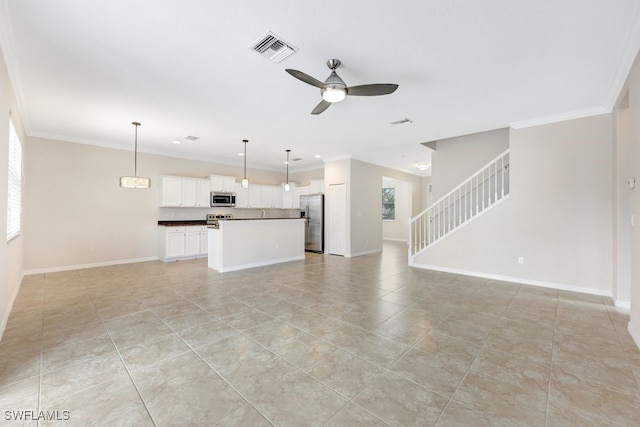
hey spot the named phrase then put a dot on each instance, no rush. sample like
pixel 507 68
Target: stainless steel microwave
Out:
pixel 220 199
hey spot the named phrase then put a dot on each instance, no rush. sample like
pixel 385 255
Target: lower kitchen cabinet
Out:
pixel 182 242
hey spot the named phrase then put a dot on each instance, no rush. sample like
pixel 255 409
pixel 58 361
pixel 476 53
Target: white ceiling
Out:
pixel 84 70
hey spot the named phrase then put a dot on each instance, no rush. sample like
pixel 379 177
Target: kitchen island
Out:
pixel 245 243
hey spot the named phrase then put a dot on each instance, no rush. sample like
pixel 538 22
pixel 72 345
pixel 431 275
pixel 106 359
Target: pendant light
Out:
pixel 245 181
pixel 287 186
pixel 135 181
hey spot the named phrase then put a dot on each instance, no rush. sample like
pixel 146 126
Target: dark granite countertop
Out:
pixel 182 223
pixel 254 219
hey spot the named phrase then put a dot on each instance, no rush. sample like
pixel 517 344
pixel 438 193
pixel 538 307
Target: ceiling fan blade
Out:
pixel 323 105
pixel 305 78
pixel 372 90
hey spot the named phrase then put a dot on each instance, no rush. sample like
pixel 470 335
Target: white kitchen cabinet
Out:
pixel 266 196
pixel 255 196
pixel 242 196
pixel 189 192
pixel 184 242
pixel 297 192
pixel 287 197
pixel 203 199
pixel 277 196
pixel 170 191
pixel 184 192
pixel 222 183
pixel 192 242
pixel 316 186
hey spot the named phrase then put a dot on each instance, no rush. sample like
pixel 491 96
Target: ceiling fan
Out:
pixel 334 89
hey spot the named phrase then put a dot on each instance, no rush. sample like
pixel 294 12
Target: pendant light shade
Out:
pixel 287 186
pixel 245 181
pixel 135 181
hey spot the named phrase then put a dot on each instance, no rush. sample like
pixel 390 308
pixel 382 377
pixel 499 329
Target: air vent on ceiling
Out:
pixel 191 137
pixel 297 159
pixel 273 47
pixel 401 122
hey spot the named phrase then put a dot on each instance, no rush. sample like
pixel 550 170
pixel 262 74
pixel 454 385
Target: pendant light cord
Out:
pixel 288 166
pixel 245 158
pixel 135 155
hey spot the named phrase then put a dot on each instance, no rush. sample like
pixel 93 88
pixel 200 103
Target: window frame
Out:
pixel 14 184
pixel 387 204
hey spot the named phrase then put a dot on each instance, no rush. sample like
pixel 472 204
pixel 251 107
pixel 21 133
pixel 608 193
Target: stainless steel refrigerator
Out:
pixel 312 209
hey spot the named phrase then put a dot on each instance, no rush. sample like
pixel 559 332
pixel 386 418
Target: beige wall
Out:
pixel 397 229
pixel 455 159
pixel 364 186
pixel 76 214
pixel 622 170
pixel 559 215
pixel 304 178
pixel 425 197
pixel 11 253
pixel 634 195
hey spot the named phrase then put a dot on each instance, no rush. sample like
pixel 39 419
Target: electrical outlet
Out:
pixel 521 260
pixel 91 249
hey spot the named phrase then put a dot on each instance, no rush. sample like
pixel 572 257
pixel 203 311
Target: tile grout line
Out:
pixel 349 400
pixel 484 343
pixel 553 341
pixel 207 363
pixel 41 350
pixel 624 349
pixel 127 371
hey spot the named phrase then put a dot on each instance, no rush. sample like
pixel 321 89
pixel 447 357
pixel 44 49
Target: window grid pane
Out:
pixel 388 204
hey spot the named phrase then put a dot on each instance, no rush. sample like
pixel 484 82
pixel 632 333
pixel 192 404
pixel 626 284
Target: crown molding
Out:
pixel 561 117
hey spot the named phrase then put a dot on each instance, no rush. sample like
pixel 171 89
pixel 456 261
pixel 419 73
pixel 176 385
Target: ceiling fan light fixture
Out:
pixel 333 94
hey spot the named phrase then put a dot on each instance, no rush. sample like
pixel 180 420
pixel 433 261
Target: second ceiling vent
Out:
pixel 273 47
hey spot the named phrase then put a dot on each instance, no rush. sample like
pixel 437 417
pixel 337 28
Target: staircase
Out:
pixel 480 192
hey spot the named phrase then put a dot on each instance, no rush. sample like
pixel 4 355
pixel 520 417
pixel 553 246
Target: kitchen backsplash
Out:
pixel 175 214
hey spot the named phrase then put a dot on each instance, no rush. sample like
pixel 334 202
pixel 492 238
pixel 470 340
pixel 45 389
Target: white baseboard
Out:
pixel 622 304
pixel 373 251
pixel 12 299
pixel 84 266
pixel 552 285
pixel 395 240
pixel 260 264
pixel 635 333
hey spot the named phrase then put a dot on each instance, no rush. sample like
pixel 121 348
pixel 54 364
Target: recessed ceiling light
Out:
pixel 240 154
pixel 175 141
pixel 317 156
pixel 423 166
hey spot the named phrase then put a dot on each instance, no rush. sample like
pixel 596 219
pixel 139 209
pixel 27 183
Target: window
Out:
pixel 388 204
pixel 14 202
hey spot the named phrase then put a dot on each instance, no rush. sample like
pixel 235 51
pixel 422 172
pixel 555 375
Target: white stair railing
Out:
pixel 482 190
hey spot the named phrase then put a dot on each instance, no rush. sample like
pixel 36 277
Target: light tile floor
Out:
pixel 331 341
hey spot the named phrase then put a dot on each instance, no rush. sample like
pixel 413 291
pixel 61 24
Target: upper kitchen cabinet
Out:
pixel 184 192
pixel 316 186
pixel 242 196
pixel 288 196
pixel 223 183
